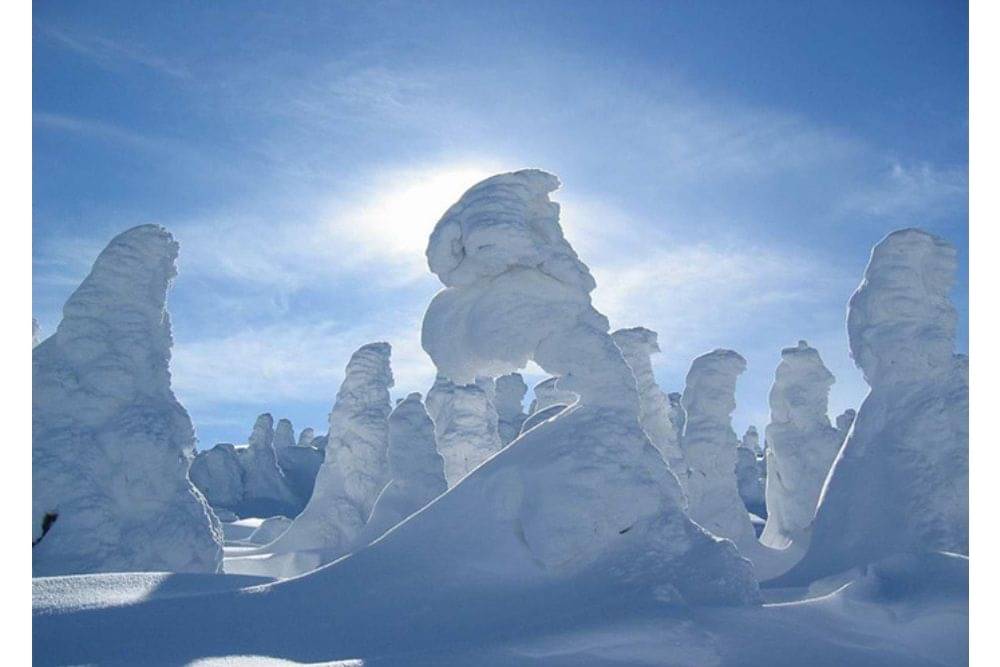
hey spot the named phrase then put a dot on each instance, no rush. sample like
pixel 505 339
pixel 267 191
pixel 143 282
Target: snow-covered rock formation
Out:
pixel 217 473
pixel 353 473
pixel 900 481
pixel 709 444
pixel 415 467
pixel 110 443
pixel 266 492
pixel 638 345
pixel 509 402
pixel 548 394
pixel 466 426
pixel 801 444
pixel 585 490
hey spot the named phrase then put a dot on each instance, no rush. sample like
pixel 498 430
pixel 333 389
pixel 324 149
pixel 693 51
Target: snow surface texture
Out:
pixel 709 445
pixel 353 473
pixel 801 444
pixel 301 465
pixel 269 530
pixel 466 426
pixel 548 394
pixel 509 402
pixel 638 345
pixel 569 489
pixel 111 445
pixel 900 482
pixel 416 469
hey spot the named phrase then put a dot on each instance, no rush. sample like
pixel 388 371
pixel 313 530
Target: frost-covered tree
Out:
pixel 547 394
pixel 509 402
pixel 284 434
pixel 466 426
pixel 900 481
pixel 111 445
pixel 801 443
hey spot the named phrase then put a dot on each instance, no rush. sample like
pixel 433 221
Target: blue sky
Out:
pixel 726 168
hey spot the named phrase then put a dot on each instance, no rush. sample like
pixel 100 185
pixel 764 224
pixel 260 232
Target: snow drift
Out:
pixel 110 443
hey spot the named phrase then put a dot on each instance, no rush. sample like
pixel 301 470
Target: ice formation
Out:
pixel 284 434
pixel 586 489
pixel 306 437
pixel 900 481
pixel 801 444
pixel 353 473
pixel 709 444
pixel 415 467
pixel 265 489
pixel 466 426
pixel 111 444
pixel 217 473
pixel 638 345
pixel 548 394
pixel 509 402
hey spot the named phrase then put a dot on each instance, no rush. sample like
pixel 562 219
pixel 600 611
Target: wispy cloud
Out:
pixel 113 53
pixel 906 191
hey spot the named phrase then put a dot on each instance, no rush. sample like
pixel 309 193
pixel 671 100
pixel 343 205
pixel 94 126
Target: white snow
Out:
pixel 900 482
pixel 801 444
pixel 466 426
pixel 217 473
pixel 638 345
pixel 269 530
pixel 509 401
pixel 110 443
pixel 284 434
pixel 547 394
pixel 36 333
pixel 306 437
pixel 353 473
pixel 265 488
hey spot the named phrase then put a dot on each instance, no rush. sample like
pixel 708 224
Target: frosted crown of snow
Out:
pixel 111 444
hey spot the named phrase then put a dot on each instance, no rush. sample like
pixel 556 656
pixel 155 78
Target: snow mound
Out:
pixel 900 482
pixel 111 445
pixel 466 426
pixel 801 444
pixel 509 402
pixel 638 345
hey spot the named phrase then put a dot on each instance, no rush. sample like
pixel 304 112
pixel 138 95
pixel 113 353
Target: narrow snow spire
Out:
pixel 801 444
pixel 638 345
pixel 265 488
pixel 751 440
pixel 709 446
pixel 111 444
pixel 900 481
pixel 306 437
pixel 509 402
pixel 466 426
pixel 284 434
pixel 352 475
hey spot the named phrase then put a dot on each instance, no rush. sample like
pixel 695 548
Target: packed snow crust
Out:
pixel 111 444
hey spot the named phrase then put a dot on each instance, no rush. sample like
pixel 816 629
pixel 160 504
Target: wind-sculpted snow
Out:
pixel 353 473
pixel 416 469
pixel 900 482
pixel 217 473
pixel 547 394
pixel 638 345
pixel 265 489
pixel 569 489
pixel 801 444
pixel 709 445
pixel 466 426
pixel 111 445
pixel 509 402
